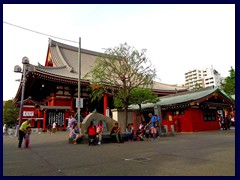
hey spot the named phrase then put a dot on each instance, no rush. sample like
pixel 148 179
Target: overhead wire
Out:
pixel 39 32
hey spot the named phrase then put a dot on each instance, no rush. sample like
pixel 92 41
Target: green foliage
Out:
pixel 141 96
pixel 229 84
pixel 119 71
pixel 10 113
pixel 137 96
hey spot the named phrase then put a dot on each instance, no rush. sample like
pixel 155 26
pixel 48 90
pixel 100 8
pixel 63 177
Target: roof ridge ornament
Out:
pixel 50 42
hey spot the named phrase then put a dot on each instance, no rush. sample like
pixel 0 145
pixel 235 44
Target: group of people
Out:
pixel 151 129
pixel 94 133
pixel 145 130
pixel 75 132
pixel 225 123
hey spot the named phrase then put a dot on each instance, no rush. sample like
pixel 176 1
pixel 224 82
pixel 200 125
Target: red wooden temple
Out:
pixel 53 86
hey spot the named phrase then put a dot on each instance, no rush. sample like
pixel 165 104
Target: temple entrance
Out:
pixel 55 116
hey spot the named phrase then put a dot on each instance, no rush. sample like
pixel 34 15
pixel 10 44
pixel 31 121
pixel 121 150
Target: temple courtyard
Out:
pixel 210 153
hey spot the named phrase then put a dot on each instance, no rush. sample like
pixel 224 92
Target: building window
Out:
pixel 164 115
pixel 209 115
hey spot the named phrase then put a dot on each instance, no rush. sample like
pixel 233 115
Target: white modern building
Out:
pixel 196 79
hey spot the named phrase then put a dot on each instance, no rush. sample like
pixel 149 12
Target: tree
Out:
pixel 138 96
pixel 229 84
pixel 141 96
pixel 119 71
pixel 10 113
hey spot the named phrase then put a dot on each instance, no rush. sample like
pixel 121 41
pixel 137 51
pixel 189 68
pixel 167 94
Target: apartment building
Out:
pixel 196 79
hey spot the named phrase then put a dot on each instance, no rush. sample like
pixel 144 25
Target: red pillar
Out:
pixel 72 104
pixel 38 124
pixel 105 104
pixel 44 120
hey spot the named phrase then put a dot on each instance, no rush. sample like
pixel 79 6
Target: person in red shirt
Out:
pixel 91 133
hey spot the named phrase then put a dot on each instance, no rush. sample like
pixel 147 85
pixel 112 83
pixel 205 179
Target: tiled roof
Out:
pixel 65 60
pixel 186 96
pixel 183 97
pixel 167 87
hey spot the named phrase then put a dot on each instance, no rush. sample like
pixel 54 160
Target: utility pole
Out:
pixel 79 81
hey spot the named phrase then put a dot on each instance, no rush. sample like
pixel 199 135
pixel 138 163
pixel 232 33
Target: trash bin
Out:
pixel 172 128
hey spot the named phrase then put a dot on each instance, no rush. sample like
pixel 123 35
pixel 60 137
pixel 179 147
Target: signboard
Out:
pixel 28 113
pixel 79 102
pixel 107 112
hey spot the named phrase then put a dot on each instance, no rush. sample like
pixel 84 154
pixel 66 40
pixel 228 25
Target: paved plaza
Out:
pixel 185 154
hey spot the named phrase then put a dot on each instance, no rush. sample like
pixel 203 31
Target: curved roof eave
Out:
pixel 185 97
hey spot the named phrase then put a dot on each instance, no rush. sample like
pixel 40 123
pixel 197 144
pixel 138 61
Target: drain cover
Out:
pixel 139 159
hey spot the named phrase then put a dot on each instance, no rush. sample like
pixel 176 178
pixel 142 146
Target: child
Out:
pixel 147 132
pixel 27 137
pixel 99 131
pixel 136 137
pixel 141 130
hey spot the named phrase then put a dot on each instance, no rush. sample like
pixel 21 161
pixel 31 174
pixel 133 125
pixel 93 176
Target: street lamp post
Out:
pixel 17 68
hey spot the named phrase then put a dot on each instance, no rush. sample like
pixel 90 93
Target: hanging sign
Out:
pixel 79 102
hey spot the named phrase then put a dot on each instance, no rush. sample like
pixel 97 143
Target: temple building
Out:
pixel 54 87
pixel 192 111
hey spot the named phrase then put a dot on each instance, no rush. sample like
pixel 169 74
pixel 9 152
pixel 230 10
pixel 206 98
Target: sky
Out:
pixel 178 38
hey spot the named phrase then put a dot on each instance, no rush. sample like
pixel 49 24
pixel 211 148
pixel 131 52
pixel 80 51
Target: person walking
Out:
pixel 71 122
pixel 152 121
pixel 5 129
pixel 22 131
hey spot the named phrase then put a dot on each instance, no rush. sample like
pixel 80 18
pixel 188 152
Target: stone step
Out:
pixel 106 138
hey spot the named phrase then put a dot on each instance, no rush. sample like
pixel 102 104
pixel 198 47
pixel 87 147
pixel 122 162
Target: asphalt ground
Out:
pixel 210 153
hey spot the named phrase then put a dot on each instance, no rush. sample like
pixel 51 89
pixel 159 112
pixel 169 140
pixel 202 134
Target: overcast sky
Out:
pixel 178 38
